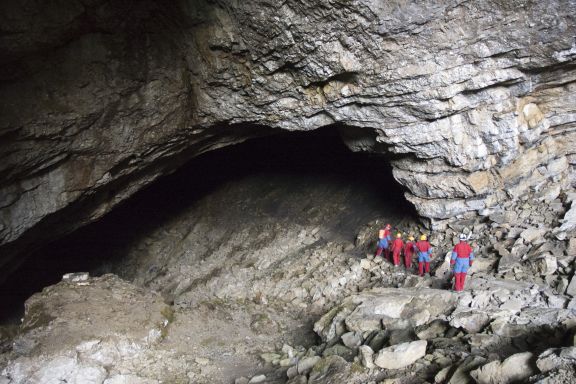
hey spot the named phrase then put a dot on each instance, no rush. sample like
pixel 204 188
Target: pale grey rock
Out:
pixel 80 332
pixel 444 270
pixel 434 329
pixel 546 264
pixel 366 356
pixel 268 357
pixel 470 321
pixel 130 379
pixel 571 290
pixel 292 371
pixel 306 364
pixel 442 375
pixel 352 339
pixel 257 379
pixel 568 224
pixel 398 308
pixel 516 368
pixel 57 369
pixel 554 301
pixel 533 235
pixel 568 353
pixel 366 264
pixel 549 360
pixel 571 250
pixel 508 259
pixel 400 355
pixel 341 351
pixel 513 305
pixel 288 350
pixel 562 286
pixel 532 317
pixel 76 277
pixel 330 369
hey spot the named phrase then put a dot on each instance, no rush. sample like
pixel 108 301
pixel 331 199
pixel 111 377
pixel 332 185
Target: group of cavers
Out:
pixel 394 248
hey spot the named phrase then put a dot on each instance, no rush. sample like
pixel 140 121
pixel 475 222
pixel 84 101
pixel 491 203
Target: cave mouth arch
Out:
pixel 275 175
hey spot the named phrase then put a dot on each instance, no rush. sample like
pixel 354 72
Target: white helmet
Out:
pixel 462 237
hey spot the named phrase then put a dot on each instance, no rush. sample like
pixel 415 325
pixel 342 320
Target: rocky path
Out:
pixel 496 331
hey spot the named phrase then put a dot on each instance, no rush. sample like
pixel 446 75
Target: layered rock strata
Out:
pixel 98 99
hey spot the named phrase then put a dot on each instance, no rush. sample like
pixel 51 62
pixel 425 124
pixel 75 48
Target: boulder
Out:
pixel 257 379
pixel 571 250
pixel 533 235
pixel 546 264
pixel 306 364
pixel 366 355
pixel 568 224
pixel 399 308
pixel 436 328
pixel 339 350
pixel 352 339
pixel 401 355
pixel 461 375
pixel 378 340
pixel 470 321
pixel 330 365
pixel 516 368
pixel 571 290
pixel 399 336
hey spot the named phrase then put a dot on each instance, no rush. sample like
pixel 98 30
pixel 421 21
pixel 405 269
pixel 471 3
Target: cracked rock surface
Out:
pixel 473 103
pixel 477 97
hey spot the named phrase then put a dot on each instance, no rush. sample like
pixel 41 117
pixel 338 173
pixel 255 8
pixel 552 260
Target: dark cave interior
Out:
pixel 317 156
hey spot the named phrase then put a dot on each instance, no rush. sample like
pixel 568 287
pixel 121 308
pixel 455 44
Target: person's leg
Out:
pixel 427 264
pixel 458 270
pixel 464 272
pixel 460 283
pixel 420 266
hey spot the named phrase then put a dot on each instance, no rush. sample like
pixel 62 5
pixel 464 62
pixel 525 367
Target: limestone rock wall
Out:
pixel 98 99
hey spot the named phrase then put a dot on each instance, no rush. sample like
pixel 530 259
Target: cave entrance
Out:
pixel 310 179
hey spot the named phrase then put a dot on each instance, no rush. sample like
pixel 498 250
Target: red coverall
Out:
pixel 397 246
pixel 408 252
pixel 462 258
pixel 424 250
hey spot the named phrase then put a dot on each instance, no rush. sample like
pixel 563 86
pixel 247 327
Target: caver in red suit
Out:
pixel 461 261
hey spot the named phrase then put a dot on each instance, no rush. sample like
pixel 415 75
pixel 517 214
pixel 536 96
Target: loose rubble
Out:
pixel 204 302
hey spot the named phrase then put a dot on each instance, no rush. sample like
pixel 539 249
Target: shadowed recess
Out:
pixel 289 168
